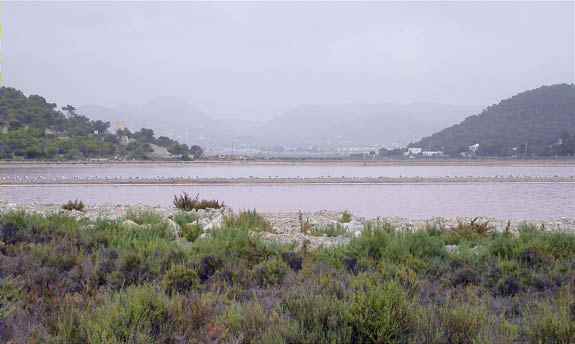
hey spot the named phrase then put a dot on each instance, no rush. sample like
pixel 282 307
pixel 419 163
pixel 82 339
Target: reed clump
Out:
pixel 74 205
pixel 187 203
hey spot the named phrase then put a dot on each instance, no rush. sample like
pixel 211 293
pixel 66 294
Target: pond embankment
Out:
pixel 314 229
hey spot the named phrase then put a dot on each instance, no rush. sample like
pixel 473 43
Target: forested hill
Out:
pixel 539 122
pixel 31 128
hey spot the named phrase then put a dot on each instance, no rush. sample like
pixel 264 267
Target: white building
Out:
pixel 432 153
pixel 414 151
pixel 474 148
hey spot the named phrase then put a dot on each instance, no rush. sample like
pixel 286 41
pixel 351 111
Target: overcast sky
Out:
pixel 255 59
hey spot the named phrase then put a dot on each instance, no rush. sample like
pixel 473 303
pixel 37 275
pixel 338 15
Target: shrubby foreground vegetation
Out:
pixel 65 280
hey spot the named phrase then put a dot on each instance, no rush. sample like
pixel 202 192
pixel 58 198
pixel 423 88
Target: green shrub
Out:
pixel 191 231
pixel 231 244
pixel 469 231
pixel 248 219
pixel 462 323
pixel 10 294
pixel 372 241
pixel 320 318
pixel 208 267
pixel 186 203
pixel 136 315
pixel 144 216
pixel 182 218
pixel 345 217
pixel 132 269
pixel 381 314
pixel 554 323
pixel 246 321
pixel 294 260
pixel 466 276
pixel 73 205
pixel 180 279
pixel 270 272
pixel 503 246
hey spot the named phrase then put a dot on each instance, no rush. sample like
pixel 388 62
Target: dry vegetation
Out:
pixel 74 205
pixel 186 203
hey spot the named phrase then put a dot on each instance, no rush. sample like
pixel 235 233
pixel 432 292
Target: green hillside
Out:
pixel 539 122
pixel 31 128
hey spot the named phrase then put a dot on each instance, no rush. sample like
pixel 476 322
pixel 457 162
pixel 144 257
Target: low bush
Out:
pixel 246 322
pixel 191 231
pixel 554 322
pixel 345 217
pixel 469 231
pixel 249 220
pixel 9 297
pixel 462 323
pixel 182 218
pixel 320 318
pixel 381 314
pixel 466 276
pixel 293 260
pixel 132 270
pixel 270 272
pixel 74 205
pixel 234 244
pixel 136 315
pixel 141 217
pixel 508 286
pixel 180 279
pixel 186 203
pixel 208 267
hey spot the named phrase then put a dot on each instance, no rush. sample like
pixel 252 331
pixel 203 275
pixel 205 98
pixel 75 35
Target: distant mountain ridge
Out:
pixel 305 125
pixel 357 124
pixel 532 123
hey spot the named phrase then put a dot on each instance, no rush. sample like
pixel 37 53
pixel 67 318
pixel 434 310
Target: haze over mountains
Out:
pixel 383 124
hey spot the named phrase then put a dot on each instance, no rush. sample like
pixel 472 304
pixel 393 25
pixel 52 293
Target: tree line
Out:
pixel 32 128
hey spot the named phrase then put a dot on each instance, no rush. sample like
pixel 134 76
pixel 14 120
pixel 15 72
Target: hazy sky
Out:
pixel 255 59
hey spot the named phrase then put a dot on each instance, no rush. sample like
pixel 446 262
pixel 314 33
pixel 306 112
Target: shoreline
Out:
pixel 289 222
pixel 430 162
pixel 280 181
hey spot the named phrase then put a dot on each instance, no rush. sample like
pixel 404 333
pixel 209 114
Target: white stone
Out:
pixel 353 226
pixel 451 248
pixel 129 223
pixel 174 227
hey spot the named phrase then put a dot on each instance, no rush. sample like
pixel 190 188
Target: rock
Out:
pixel 353 226
pixel 203 236
pixel 300 240
pixel 210 223
pixel 451 248
pixel 129 223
